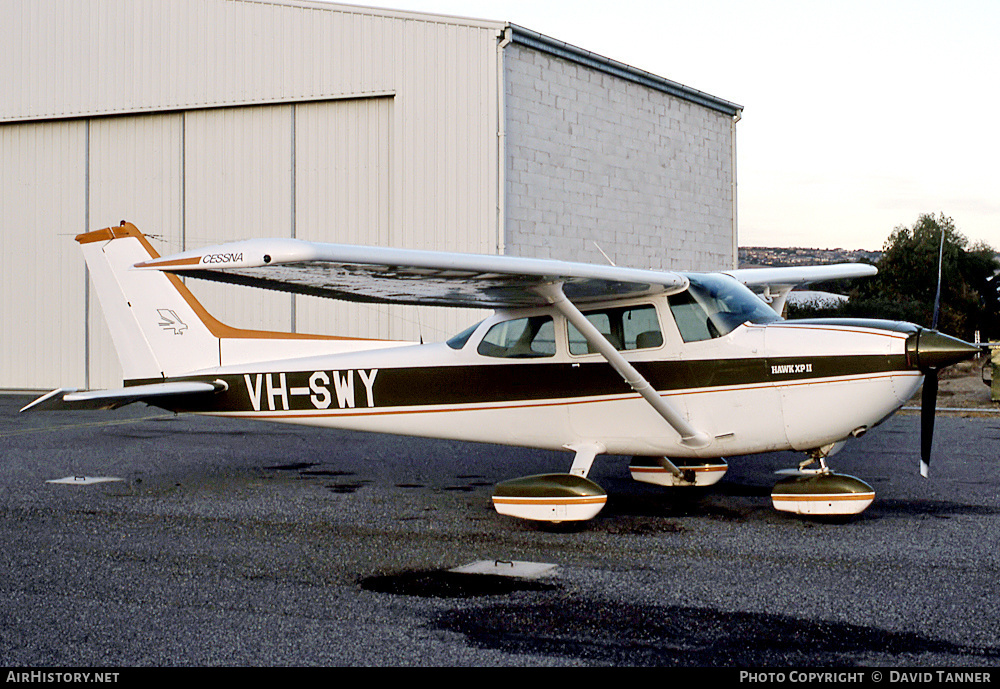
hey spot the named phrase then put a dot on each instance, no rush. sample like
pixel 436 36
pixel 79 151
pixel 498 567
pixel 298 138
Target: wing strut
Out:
pixel 690 437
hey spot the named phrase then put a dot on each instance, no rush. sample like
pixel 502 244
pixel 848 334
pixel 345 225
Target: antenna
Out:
pixel 606 257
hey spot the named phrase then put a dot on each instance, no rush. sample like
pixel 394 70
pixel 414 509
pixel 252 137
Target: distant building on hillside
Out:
pixel 797 256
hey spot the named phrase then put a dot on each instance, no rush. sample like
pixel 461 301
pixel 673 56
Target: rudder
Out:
pixel 158 327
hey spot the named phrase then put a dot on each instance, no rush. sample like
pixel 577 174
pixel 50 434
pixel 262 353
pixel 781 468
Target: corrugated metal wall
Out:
pixel 43 182
pixel 218 120
pixel 157 54
pixel 135 172
pixel 238 185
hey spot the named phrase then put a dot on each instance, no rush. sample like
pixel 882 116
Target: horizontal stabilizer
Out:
pixel 73 399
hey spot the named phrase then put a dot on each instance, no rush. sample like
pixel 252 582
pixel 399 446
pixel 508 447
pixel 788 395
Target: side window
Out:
pixel 578 343
pixel 632 327
pixel 520 338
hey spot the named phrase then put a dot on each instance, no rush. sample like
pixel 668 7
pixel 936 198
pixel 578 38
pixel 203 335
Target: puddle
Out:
pixel 446 584
pixel 294 466
pixel 618 633
pixel 346 488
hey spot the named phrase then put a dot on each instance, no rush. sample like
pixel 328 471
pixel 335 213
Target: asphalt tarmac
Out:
pixel 232 543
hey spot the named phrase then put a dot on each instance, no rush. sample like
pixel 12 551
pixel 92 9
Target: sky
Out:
pixel 858 117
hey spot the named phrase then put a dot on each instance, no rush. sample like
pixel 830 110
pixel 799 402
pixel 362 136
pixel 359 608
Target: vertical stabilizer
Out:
pixel 158 327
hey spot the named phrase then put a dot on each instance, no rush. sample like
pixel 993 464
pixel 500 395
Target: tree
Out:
pixel 906 283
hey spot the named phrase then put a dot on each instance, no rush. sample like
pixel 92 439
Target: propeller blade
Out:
pixel 937 296
pixel 928 405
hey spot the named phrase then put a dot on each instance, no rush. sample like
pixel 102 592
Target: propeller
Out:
pixel 928 407
pixel 928 396
pixel 931 351
pixel 937 295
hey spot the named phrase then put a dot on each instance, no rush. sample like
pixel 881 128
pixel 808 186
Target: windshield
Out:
pixel 715 305
pixel 458 341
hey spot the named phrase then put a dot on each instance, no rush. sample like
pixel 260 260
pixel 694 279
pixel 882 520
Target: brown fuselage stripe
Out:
pixel 291 414
pixel 529 384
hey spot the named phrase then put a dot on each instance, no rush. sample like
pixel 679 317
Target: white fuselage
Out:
pixel 759 388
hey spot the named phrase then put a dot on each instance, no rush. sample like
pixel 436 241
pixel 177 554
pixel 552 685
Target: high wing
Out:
pixel 801 275
pixel 774 284
pixel 406 276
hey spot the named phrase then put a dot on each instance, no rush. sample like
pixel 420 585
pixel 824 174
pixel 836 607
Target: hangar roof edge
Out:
pixel 552 46
pixel 387 12
pixel 71 62
pixel 533 39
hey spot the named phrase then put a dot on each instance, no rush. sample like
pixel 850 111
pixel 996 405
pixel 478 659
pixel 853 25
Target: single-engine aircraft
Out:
pixel 678 370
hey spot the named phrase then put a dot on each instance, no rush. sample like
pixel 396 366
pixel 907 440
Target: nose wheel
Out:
pixel 820 491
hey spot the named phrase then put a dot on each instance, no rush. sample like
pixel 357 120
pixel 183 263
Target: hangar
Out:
pixel 217 120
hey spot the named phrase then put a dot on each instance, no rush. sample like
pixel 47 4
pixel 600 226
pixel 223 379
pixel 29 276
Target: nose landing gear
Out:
pixel 820 491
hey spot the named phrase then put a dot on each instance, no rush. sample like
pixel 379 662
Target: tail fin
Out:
pixel 158 327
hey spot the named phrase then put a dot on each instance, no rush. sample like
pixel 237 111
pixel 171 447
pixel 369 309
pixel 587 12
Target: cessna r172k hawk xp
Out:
pixel 678 370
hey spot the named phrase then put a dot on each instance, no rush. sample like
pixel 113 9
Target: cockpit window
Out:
pixel 715 305
pixel 520 338
pixel 631 327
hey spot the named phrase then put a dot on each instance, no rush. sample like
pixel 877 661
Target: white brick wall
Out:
pixel 594 158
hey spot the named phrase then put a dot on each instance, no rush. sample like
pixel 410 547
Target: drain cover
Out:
pixel 507 568
pixel 83 480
